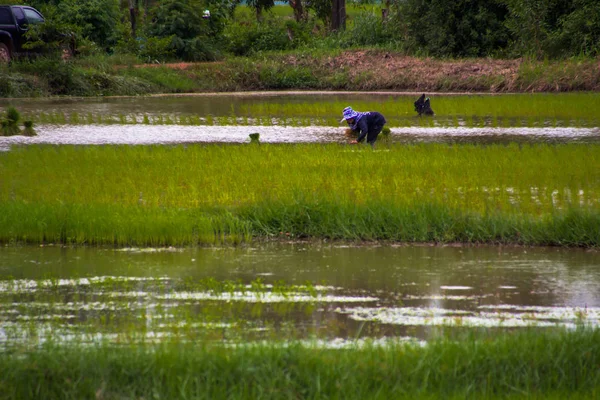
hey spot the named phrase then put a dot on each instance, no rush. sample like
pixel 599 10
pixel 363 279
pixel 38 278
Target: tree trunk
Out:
pixel 132 16
pixel 338 15
pixel 299 14
pixel 385 12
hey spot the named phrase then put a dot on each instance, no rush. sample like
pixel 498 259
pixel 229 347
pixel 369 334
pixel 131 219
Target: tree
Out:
pixel 299 11
pixel 260 5
pixel 331 12
pixel 529 24
pixel 579 31
pixel 463 28
pixel 192 37
pixel 338 15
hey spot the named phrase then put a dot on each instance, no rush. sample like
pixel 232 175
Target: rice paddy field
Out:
pixel 150 249
pixel 204 194
pixel 321 109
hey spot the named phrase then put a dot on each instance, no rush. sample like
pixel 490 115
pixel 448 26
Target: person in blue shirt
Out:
pixel 368 124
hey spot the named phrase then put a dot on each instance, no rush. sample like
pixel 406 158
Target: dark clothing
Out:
pixel 369 126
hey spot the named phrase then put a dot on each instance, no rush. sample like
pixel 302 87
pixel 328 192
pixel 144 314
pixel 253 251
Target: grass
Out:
pixel 524 365
pixel 530 194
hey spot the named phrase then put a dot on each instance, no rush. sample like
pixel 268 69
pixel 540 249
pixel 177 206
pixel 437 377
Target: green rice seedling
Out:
pixel 209 120
pixel 412 197
pixel 168 120
pixel 74 118
pixel 255 138
pixel 494 122
pixel 9 122
pixel 28 128
pixel 146 120
pixel 385 134
pixel 90 118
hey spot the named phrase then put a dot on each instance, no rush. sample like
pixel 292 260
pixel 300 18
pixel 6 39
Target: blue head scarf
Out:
pixel 349 113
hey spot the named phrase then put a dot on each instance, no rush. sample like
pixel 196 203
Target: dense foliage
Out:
pixel 154 30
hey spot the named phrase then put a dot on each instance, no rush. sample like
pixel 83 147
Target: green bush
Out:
pixel 579 32
pixel 368 30
pixel 62 77
pixel 192 37
pixel 466 28
pixel 248 36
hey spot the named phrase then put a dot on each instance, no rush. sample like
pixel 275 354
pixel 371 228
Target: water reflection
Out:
pixel 173 134
pixel 293 291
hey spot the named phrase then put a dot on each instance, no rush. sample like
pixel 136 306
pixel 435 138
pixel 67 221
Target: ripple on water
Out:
pixel 567 317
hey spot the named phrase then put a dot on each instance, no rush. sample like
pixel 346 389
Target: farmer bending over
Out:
pixel 369 124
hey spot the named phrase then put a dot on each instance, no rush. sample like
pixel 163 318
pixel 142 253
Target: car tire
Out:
pixel 4 54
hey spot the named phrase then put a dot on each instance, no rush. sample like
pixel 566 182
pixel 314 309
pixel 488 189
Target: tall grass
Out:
pixel 527 365
pixel 534 194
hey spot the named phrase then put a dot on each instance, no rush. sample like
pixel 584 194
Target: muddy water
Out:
pixel 216 104
pixel 335 293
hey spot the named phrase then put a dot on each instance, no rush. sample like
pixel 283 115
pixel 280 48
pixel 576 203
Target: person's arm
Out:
pixel 363 128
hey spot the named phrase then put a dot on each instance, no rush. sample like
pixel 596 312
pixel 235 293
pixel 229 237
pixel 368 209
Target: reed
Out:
pixel 553 365
pixel 530 194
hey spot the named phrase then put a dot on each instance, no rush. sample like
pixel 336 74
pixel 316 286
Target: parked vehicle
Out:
pixel 14 24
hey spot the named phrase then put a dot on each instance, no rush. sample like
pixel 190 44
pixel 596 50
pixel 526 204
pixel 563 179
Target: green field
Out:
pixel 180 195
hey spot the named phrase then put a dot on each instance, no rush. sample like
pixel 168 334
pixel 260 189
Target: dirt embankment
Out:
pixel 383 70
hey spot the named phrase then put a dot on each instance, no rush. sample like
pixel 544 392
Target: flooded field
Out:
pixel 305 117
pixel 335 294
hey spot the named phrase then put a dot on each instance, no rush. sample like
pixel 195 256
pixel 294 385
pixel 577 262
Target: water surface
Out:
pixel 301 291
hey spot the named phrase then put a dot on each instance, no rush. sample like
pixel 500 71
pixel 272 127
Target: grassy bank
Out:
pixel 310 70
pixel 533 194
pixel 526 365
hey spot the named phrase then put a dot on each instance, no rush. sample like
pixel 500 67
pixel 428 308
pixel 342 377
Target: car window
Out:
pixel 33 16
pixel 6 17
pixel 19 16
